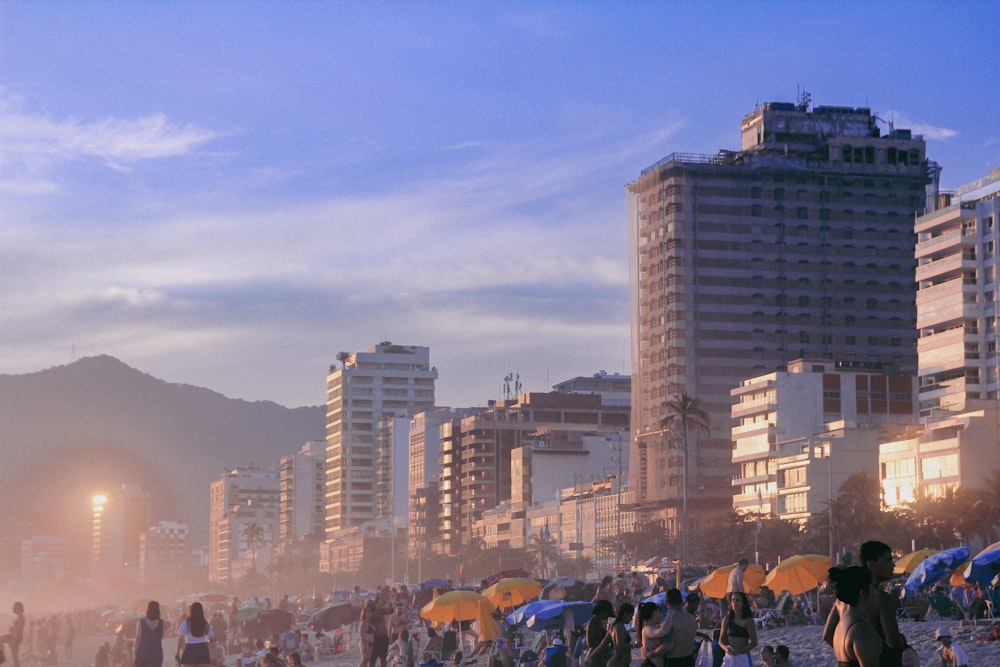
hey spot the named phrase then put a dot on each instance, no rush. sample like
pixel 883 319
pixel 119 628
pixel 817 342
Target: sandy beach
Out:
pixel 805 642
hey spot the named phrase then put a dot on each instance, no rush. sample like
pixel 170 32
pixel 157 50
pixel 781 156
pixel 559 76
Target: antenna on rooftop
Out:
pixel 803 98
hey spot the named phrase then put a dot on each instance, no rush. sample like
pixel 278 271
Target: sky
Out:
pixel 228 194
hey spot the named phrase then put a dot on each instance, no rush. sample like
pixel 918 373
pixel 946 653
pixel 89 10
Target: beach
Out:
pixel 805 643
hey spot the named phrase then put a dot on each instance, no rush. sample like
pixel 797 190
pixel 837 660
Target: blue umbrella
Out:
pixel 435 583
pixel 985 566
pixel 934 568
pixel 542 614
pixel 660 599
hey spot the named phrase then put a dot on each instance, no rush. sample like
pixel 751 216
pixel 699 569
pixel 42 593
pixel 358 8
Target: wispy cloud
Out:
pixel 33 142
pixel 929 132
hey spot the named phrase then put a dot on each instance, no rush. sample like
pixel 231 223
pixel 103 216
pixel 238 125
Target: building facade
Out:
pixel 243 523
pixel 799 245
pixel 386 381
pixel 801 433
pixel 476 462
pixel 302 480
pixel 118 519
pixel 165 552
pixel 958 368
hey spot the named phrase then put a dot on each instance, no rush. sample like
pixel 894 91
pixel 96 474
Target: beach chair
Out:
pixel 771 616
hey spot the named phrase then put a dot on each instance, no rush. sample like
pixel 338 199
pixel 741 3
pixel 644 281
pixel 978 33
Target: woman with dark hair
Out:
pixel 597 636
pixel 193 636
pixel 654 634
pixel 738 635
pixel 621 640
pixel 149 637
pixel 856 642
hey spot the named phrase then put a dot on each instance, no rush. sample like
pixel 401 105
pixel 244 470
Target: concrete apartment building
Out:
pixel 164 553
pixel 238 499
pixel 387 381
pixel 958 373
pixel 476 461
pixel 302 480
pixel 801 433
pixel 798 245
pixel 118 519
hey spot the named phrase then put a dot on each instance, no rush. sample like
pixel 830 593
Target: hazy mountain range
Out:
pixel 71 431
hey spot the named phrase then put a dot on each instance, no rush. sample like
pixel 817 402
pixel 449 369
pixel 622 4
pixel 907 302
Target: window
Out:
pixel 756 210
pixel 803 301
pixel 802 213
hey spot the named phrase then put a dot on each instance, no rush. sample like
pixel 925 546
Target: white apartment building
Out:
pixel 957 347
pixel 243 523
pixel 386 381
pixel 302 478
pixel 801 433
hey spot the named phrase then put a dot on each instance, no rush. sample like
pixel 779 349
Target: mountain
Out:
pixel 71 431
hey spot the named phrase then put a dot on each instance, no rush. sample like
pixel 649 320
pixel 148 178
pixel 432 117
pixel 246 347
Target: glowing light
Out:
pixel 98 501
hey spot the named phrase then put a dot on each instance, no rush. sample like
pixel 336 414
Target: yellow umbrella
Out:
pixel 798 574
pixel 717 581
pixel 457 606
pixel 906 564
pixel 513 591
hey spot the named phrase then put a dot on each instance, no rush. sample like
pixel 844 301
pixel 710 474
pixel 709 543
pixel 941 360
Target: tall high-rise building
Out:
pixel 385 381
pixel 118 520
pixel 798 245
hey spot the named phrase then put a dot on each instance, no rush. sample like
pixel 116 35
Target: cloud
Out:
pixel 33 144
pixel 929 132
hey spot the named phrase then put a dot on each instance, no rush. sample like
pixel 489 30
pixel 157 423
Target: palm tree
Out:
pixel 342 357
pixel 542 549
pixel 253 533
pixel 687 412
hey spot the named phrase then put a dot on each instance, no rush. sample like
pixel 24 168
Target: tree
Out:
pixel 543 550
pixel 857 511
pixel 686 411
pixel 342 357
pixel 253 533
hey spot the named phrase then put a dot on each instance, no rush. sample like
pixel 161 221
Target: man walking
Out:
pixel 684 626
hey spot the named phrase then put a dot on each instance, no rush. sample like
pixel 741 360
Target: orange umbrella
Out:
pixel 717 581
pixel 906 564
pixel 463 606
pixel 799 574
pixel 513 591
pixel 958 576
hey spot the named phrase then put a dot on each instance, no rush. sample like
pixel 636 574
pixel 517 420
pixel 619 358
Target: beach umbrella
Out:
pixel 715 584
pixel 243 613
pixel 547 614
pixel 566 615
pixel 957 579
pixel 513 591
pixel 434 582
pixel 907 563
pixel 457 606
pixel 935 568
pixel 799 574
pixel 984 567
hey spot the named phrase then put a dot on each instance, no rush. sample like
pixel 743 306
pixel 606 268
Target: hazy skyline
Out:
pixel 228 194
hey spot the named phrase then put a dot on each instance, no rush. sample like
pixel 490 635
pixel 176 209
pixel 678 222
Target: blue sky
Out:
pixel 227 194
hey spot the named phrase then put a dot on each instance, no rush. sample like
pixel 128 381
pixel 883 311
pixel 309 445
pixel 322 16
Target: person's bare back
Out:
pixel 684 628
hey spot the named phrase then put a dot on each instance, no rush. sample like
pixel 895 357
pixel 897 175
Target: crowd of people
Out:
pixel 860 605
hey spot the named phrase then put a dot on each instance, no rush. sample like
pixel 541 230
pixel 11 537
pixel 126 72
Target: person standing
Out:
pixel 855 641
pixel 684 627
pixel 621 640
pixel 738 635
pixel 70 636
pixel 735 584
pixel 149 637
pixel 951 654
pixel 15 635
pixel 876 557
pixel 193 636
pixel 597 636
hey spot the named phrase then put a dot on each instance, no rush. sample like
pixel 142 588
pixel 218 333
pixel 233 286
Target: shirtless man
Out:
pixel 681 653
pixel 397 622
